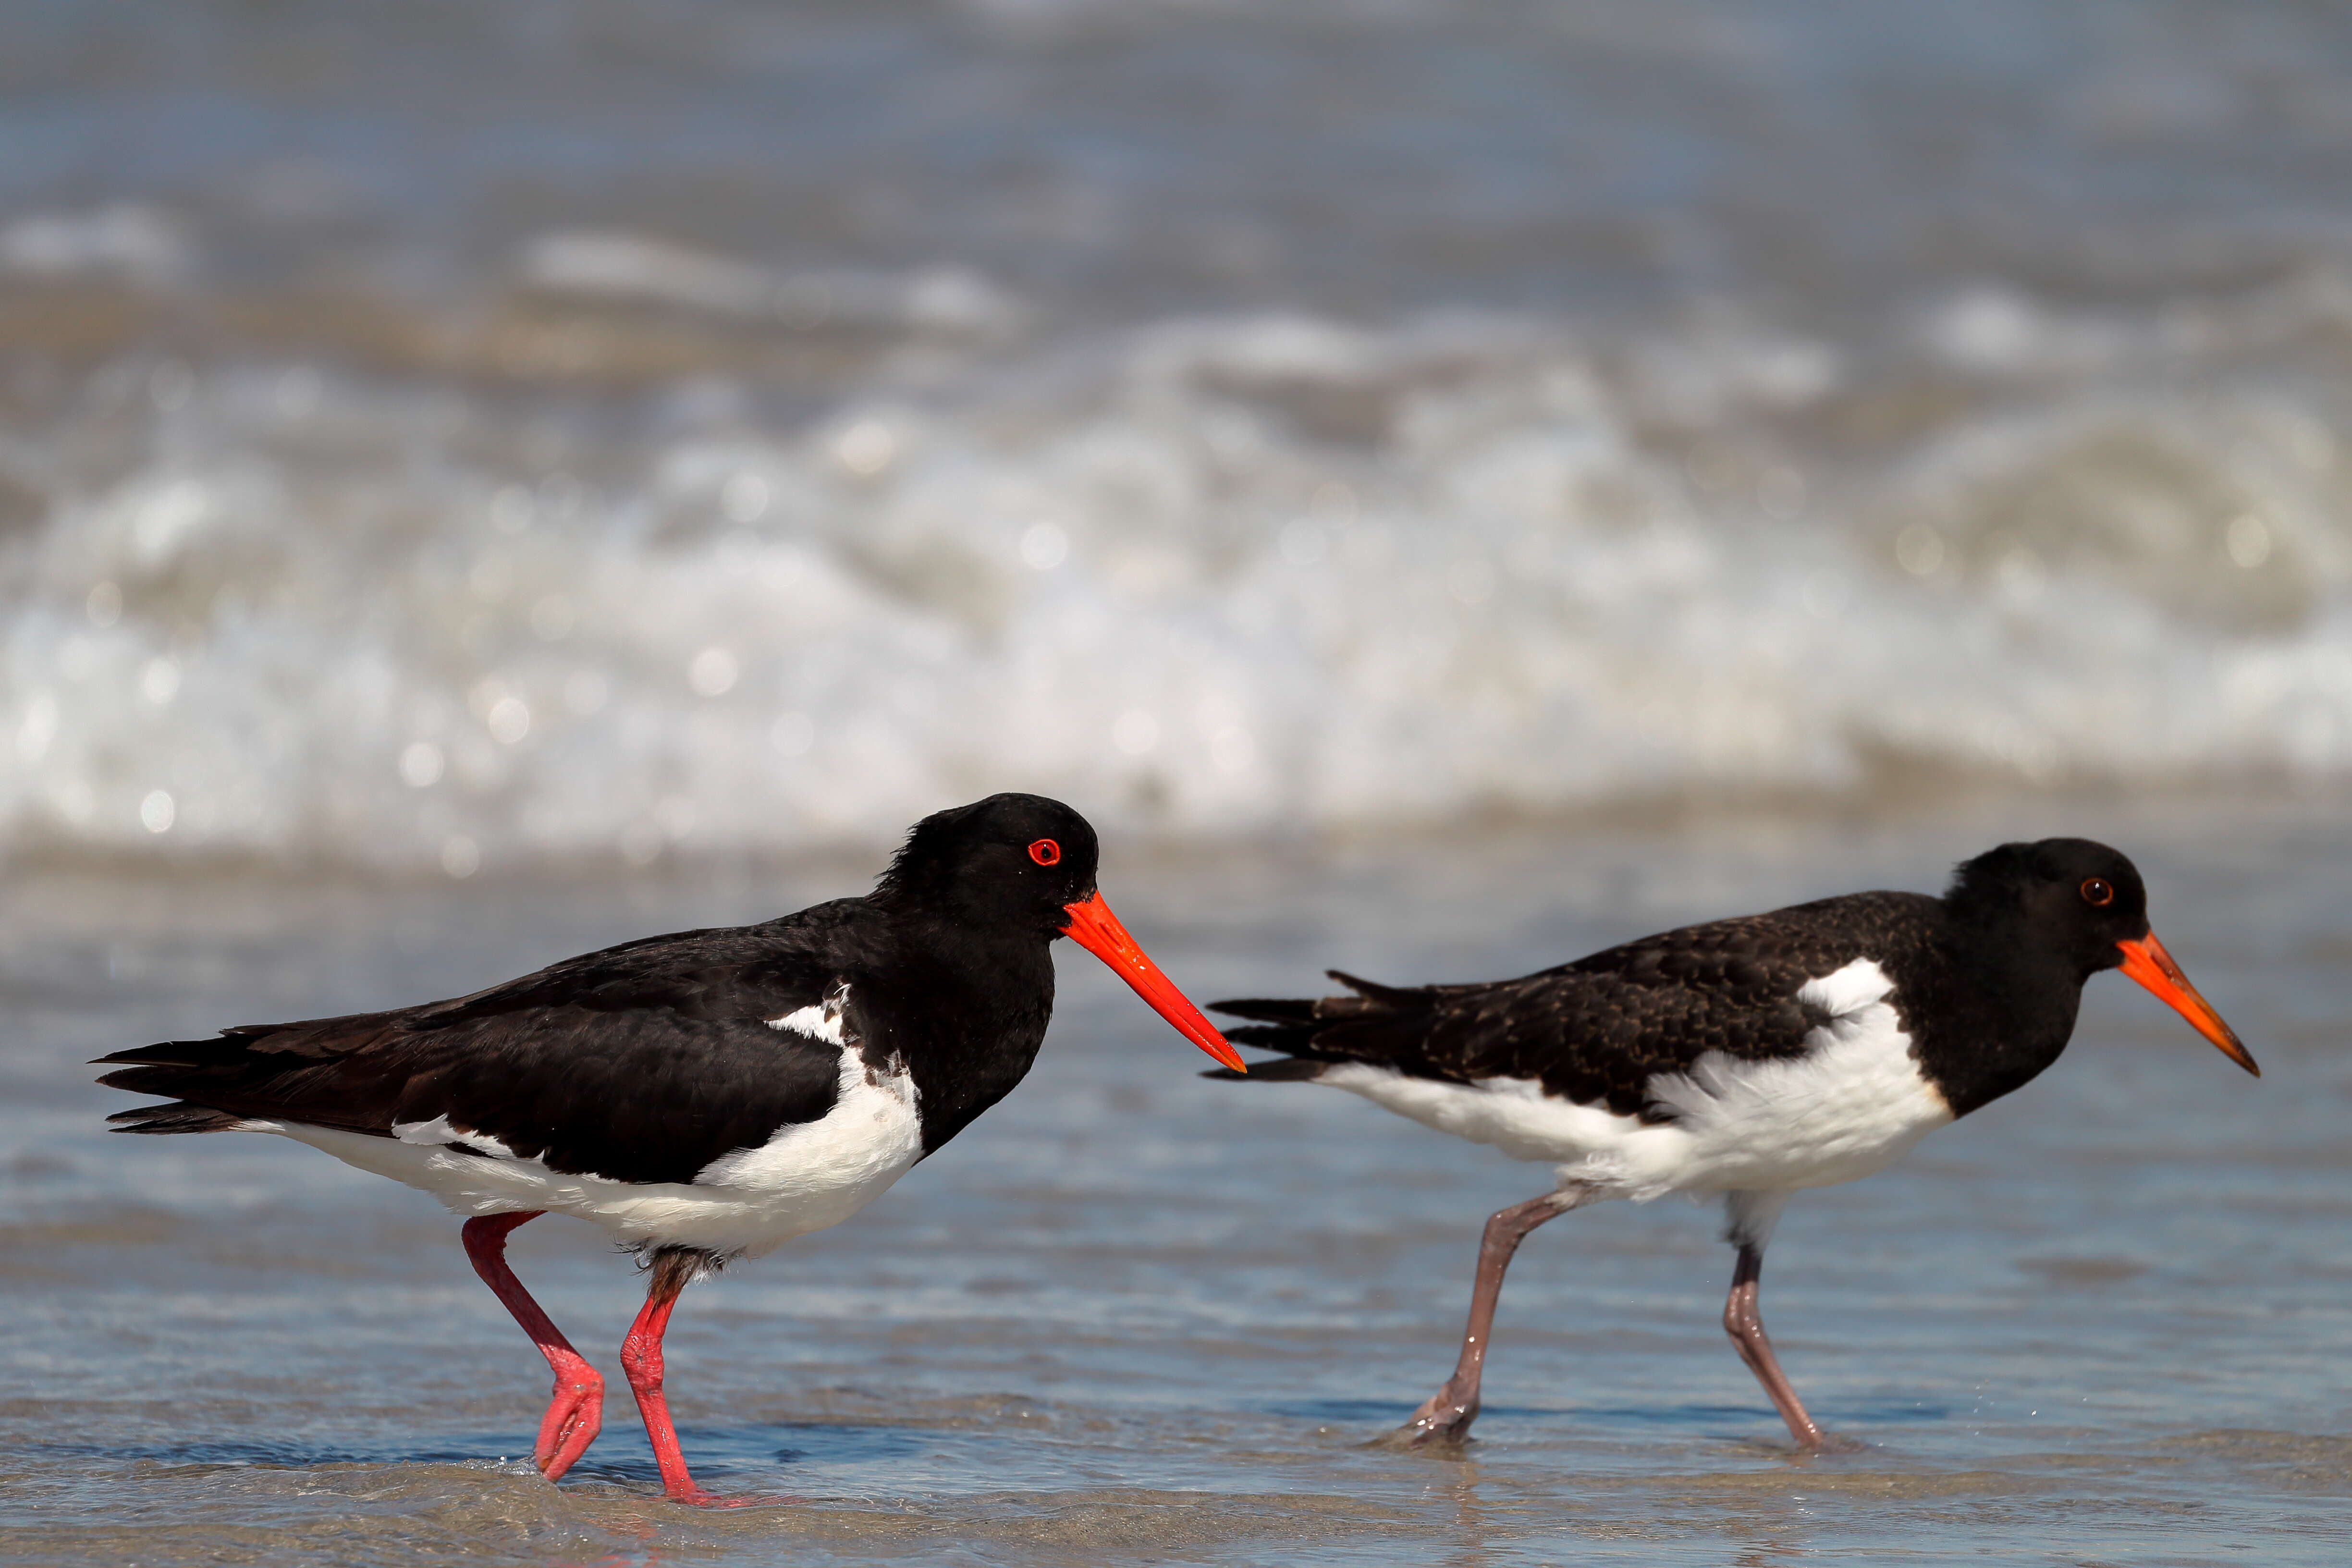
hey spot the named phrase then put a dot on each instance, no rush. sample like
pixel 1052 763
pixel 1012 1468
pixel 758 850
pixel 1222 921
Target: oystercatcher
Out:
pixel 1750 1056
pixel 705 1096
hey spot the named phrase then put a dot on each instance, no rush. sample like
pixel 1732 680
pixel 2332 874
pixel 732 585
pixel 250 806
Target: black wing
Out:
pixel 1596 1031
pixel 639 1063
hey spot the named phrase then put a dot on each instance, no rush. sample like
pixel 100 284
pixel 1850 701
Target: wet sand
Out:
pixel 1133 1316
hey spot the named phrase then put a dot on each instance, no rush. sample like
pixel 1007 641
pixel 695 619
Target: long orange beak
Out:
pixel 2147 962
pixel 1093 927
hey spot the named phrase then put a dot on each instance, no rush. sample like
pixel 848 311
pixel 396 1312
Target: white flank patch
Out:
pixel 819 1020
pixel 808 1177
pixel 1513 1114
pixel 1852 1105
pixel 440 1131
pixel 843 1160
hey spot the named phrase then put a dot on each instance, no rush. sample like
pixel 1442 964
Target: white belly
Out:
pixel 806 1177
pixel 1852 1105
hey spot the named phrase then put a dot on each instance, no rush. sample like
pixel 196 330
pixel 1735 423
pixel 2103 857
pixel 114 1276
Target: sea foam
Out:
pixel 1206 576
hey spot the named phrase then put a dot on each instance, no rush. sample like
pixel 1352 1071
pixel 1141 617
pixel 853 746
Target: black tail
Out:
pixel 203 1077
pixel 179 1116
pixel 174 1067
pixel 1281 1069
pixel 1269 1009
pixel 1315 1031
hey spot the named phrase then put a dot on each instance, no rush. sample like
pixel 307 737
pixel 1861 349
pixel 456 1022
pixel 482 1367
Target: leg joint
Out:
pixel 641 1358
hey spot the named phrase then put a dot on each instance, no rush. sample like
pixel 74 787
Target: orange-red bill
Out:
pixel 2147 962
pixel 1093 927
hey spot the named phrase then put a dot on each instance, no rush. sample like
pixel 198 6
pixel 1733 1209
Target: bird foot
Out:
pixel 575 1416
pixel 1442 1421
pixel 1830 1443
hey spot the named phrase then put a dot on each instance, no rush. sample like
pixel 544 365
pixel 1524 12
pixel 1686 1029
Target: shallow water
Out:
pixel 1134 1316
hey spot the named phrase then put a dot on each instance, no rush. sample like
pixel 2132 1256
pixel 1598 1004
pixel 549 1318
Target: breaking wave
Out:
pixel 1202 575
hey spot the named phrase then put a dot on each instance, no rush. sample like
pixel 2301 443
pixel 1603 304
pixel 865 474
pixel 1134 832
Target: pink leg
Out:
pixel 576 1413
pixel 1744 1322
pixel 641 1359
pixel 1445 1417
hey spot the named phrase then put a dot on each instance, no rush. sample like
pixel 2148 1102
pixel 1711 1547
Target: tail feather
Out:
pixel 233 1045
pixel 215 1084
pixel 170 1054
pixel 1372 991
pixel 1282 1070
pixel 155 1070
pixel 178 1116
pixel 1314 1032
pixel 1273 1036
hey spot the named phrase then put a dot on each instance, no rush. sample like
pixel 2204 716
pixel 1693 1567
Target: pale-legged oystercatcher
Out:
pixel 1752 1057
pixel 705 1096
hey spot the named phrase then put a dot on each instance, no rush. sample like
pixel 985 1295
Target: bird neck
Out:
pixel 1995 1014
pixel 966 1013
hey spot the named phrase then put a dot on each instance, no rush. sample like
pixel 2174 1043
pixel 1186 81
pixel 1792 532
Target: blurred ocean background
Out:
pixel 464 435
pixel 1443 487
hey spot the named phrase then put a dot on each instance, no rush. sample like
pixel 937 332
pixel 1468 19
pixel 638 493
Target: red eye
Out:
pixel 2094 891
pixel 1045 852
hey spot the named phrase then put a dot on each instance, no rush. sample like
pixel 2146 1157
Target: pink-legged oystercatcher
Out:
pixel 1751 1057
pixel 705 1096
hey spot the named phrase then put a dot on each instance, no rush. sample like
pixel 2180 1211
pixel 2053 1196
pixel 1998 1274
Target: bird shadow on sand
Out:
pixel 1394 1413
pixel 834 1443
pixel 1377 1425
pixel 753 1456
pixel 505 1453
pixel 1696 1416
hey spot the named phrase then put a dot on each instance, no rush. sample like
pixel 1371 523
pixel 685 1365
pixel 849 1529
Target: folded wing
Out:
pixel 1595 1031
pixel 639 1063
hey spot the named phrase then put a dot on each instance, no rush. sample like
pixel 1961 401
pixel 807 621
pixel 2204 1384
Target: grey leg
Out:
pixel 1745 1324
pixel 1751 1216
pixel 1445 1415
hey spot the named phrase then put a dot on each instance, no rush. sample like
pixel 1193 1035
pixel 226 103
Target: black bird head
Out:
pixel 1022 862
pixel 2085 905
pixel 1010 861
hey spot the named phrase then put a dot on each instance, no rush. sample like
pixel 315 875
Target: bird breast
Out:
pixel 1854 1103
